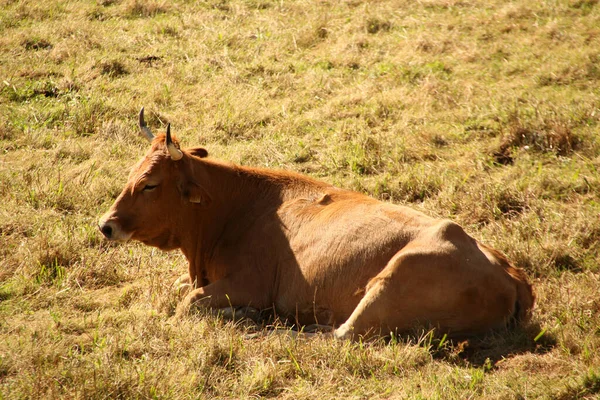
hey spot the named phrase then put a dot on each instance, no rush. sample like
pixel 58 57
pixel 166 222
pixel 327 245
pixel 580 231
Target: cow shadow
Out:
pixel 478 351
pixel 485 350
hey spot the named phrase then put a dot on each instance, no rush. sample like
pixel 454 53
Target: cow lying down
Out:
pixel 314 252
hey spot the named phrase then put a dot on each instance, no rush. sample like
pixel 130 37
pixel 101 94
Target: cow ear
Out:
pixel 195 193
pixel 199 152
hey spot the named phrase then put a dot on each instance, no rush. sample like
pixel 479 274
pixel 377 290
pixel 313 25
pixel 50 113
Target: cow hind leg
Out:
pixel 460 296
pixel 364 319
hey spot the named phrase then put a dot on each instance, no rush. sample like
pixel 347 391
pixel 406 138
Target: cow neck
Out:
pixel 237 195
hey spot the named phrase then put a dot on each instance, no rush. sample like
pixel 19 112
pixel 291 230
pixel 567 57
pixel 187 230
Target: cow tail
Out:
pixel 525 296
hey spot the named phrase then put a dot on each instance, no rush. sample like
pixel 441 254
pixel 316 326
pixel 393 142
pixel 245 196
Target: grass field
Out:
pixel 485 112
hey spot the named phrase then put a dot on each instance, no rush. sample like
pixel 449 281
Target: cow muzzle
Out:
pixel 112 231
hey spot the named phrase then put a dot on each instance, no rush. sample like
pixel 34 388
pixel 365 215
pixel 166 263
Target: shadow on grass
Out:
pixel 488 349
pixel 479 351
pixel 586 388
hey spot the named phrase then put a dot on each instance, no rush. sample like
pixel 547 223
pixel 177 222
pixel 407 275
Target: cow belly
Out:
pixel 333 264
pixel 441 276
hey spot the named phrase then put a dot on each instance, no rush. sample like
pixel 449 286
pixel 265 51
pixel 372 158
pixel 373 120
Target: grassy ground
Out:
pixel 484 112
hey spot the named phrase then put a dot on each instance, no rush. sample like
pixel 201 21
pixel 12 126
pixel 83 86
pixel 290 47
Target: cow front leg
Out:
pixel 183 280
pixel 218 295
pixel 183 285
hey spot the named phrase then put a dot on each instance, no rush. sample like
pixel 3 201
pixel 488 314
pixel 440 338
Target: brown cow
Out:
pixel 314 252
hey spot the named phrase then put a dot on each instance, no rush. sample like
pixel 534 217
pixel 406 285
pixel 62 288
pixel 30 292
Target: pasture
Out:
pixel 487 113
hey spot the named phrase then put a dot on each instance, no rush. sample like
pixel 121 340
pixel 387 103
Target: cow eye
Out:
pixel 148 188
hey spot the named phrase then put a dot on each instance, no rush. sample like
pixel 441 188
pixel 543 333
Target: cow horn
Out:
pixel 144 128
pixel 175 153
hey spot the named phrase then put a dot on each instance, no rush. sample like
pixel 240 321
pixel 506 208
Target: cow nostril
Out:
pixel 106 230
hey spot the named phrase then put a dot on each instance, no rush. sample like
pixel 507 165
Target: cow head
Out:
pixel 165 181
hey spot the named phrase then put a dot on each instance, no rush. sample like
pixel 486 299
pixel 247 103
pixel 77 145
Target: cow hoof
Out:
pixel 194 300
pixel 183 289
pixel 314 328
pixel 237 314
pixel 292 334
pixel 227 313
pixel 183 285
pixel 183 279
pixel 343 332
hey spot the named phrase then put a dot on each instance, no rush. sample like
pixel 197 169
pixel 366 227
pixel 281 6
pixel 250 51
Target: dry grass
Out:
pixel 484 112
